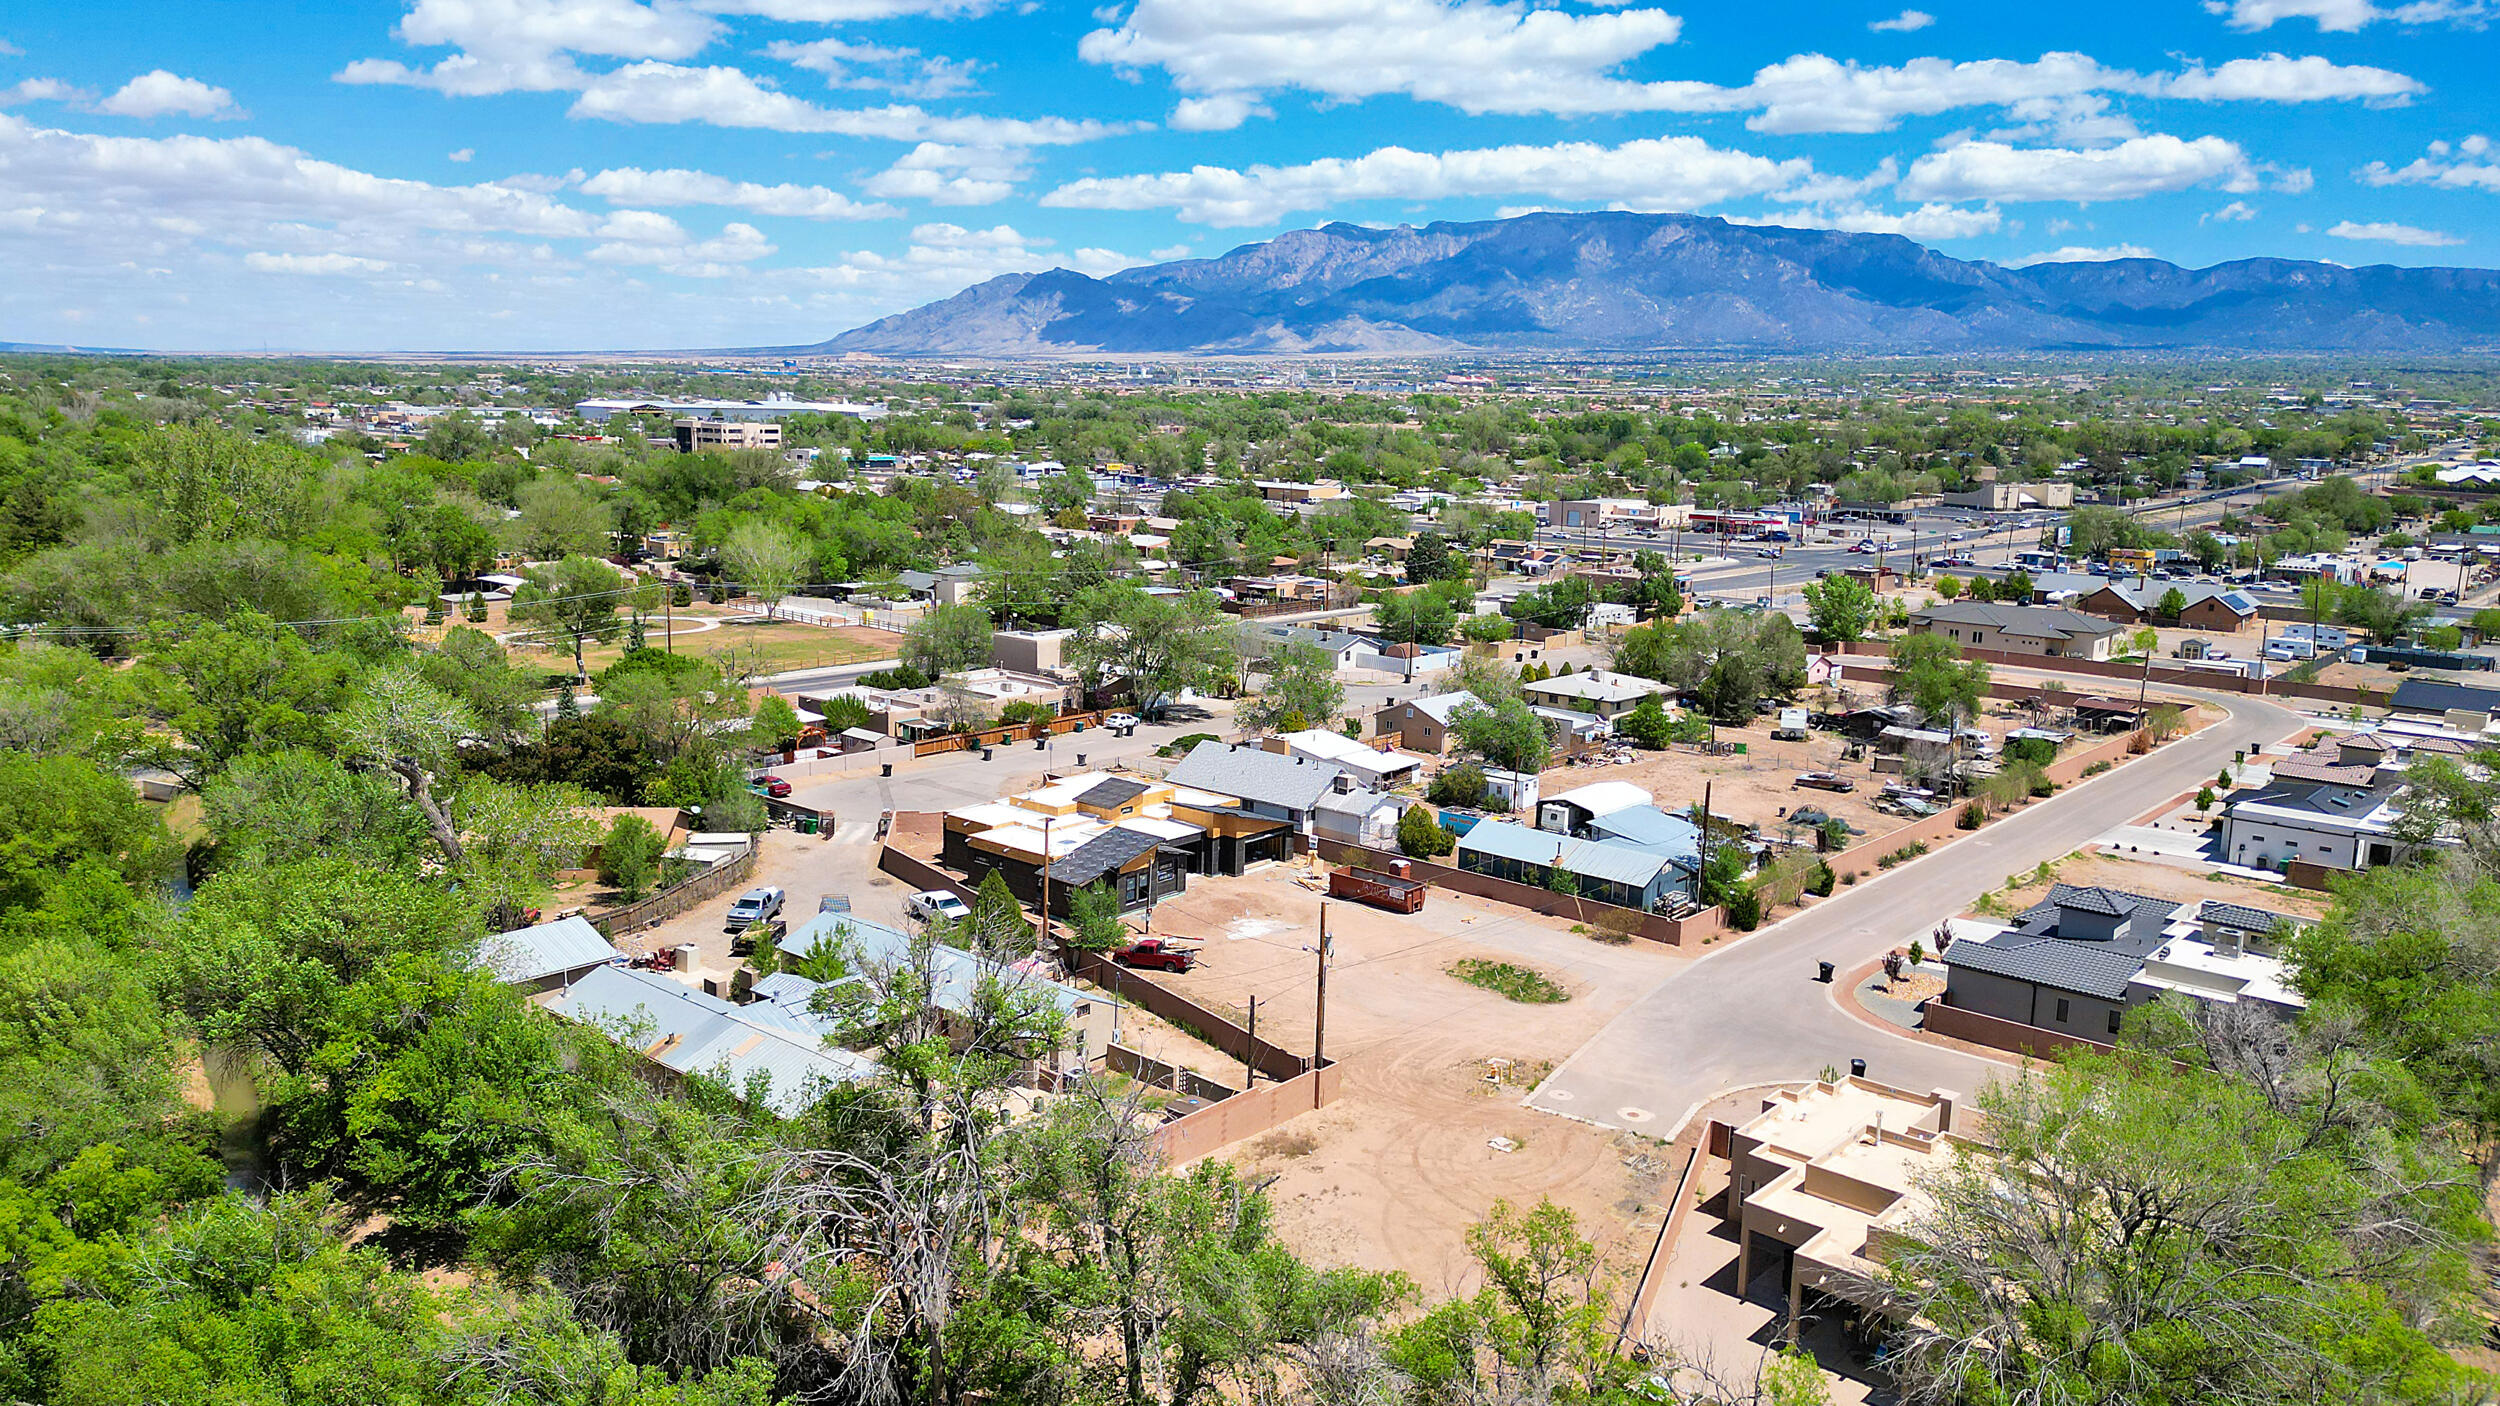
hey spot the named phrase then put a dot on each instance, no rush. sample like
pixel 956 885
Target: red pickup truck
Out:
pixel 1157 954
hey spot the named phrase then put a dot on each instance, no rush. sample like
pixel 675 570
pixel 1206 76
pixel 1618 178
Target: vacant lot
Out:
pixel 2157 880
pixel 1391 1175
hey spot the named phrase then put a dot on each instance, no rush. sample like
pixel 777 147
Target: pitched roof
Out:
pixel 1598 686
pixel 1104 854
pixel 683 1029
pixel 2151 594
pixel 527 954
pixel 2440 696
pixel 1610 861
pixel 1604 797
pixel 1441 707
pixel 2084 968
pixel 1272 778
pixel 2042 621
pixel 2244 918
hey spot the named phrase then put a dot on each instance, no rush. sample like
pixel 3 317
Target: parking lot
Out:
pixel 1431 1129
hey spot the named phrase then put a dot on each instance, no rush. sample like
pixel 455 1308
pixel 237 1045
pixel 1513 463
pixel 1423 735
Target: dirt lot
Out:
pixel 2161 881
pixel 1757 787
pixel 808 867
pixel 1393 1174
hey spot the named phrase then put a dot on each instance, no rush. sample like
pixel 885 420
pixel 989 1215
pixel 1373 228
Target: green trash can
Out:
pixel 1740 749
pixel 807 825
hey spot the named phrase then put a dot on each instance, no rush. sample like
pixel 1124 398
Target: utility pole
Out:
pixel 1700 878
pixel 1319 1022
pixel 1250 1051
pixel 668 617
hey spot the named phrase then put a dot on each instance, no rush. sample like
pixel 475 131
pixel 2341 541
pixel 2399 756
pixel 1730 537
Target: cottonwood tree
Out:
pixel 574 600
pixel 1301 684
pixel 411 730
pixel 767 559
pixel 1840 609
pixel 1156 645
pixel 947 639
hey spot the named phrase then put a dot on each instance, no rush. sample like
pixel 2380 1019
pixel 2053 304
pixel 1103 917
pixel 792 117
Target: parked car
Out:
pixel 1156 954
pixel 929 905
pixel 755 906
pixel 1119 720
pixel 1824 781
pixel 772 786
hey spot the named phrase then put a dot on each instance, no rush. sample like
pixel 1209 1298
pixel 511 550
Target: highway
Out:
pixel 1751 1012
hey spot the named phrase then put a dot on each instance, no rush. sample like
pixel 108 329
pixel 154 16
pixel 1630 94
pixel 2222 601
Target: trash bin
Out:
pixel 1857 1069
pixel 1825 969
pixel 988 752
pixel 1041 744
pixel 807 825
pixel 1740 749
pixel 1080 759
pixel 885 769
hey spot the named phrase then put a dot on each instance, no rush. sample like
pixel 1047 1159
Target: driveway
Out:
pixel 1753 1012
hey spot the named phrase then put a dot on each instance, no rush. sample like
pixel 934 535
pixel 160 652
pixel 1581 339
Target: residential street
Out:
pixel 1753 1012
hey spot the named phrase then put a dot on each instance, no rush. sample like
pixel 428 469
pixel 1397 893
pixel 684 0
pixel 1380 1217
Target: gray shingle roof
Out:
pixel 1112 791
pixel 2244 918
pixel 2044 621
pixel 1293 783
pixel 1101 855
pixel 2084 968
pixel 2440 696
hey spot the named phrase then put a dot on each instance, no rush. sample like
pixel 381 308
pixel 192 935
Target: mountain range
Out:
pixel 1621 282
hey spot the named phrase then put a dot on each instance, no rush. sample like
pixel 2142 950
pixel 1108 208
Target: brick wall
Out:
pixel 1676 932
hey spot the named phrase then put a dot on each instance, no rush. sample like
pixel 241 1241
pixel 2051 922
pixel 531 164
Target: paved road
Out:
pixel 1753 1013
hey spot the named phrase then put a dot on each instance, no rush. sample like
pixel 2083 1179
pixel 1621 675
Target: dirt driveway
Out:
pixel 1391 1175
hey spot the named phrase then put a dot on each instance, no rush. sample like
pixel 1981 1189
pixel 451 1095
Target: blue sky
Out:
pixel 553 174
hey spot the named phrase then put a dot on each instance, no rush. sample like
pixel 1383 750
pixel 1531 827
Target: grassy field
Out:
pixel 766 648
pixel 1508 979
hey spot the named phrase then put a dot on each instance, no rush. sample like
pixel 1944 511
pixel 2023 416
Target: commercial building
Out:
pixel 2012 497
pixel 693 435
pixel 2050 631
pixel 598 411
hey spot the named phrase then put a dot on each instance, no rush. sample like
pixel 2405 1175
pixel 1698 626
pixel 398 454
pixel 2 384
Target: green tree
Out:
pixel 574 600
pixel 561 518
pixel 776 723
pixel 1930 674
pixel 1840 608
pixel 629 856
pixel 1459 787
pixel 1421 835
pixel 767 559
pixel 1094 923
pixel 1155 645
pixel 1428 559
pixel 1508 735
pixel 1486 629
pixel 1538 1328
pixel 2172 605
pixel 1301 683
pixel 246 686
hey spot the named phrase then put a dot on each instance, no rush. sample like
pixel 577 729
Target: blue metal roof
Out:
pixel 1608 861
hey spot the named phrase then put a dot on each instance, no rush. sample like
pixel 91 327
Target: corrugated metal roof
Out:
pixel 527 954
pixel 1605 860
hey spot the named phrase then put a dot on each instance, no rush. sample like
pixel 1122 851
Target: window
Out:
pixel 2113 1022
pixel 2061 1010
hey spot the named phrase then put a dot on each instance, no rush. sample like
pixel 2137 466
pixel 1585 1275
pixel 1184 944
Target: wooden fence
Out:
pixel 676 898
pixel 1214 1027
pixel 998 736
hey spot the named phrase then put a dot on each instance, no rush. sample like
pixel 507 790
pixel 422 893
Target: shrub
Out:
pixel 1903 855
pixel 2042 786
pixel 2037 751
pixel 1973 816
pixel 2096 769
pixel 629 856
pixel 1422 836
pixel 681 596
pixel 1744 909
pixel 2223 780
pixel 1183 746
pixel 899 678
pixel 2205 799
pixel 1509 980
pixel 1821 884
pixel 1025 710
pixel 1461 786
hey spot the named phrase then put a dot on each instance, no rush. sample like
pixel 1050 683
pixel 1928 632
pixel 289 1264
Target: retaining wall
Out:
pixel 1214 1027
pixel 1676 932
pixel 1149 1070
pixel 1653 1280
pixel 2134 673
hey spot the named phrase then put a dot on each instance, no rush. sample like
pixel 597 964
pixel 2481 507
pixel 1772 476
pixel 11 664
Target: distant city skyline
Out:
pixel 582 174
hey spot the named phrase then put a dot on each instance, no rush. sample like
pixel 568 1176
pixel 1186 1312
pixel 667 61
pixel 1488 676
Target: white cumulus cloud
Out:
pixel 1657 173
pixel 162 94
pixel 1985 170
pixel 2082 254
pixel 2472 164
pixel 629 185
pixel 2387 232
pixel 730 97
pixel 2276 78
pixel 944 174
pixel 2346 16
pixel 317 265
pixel 1905 22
